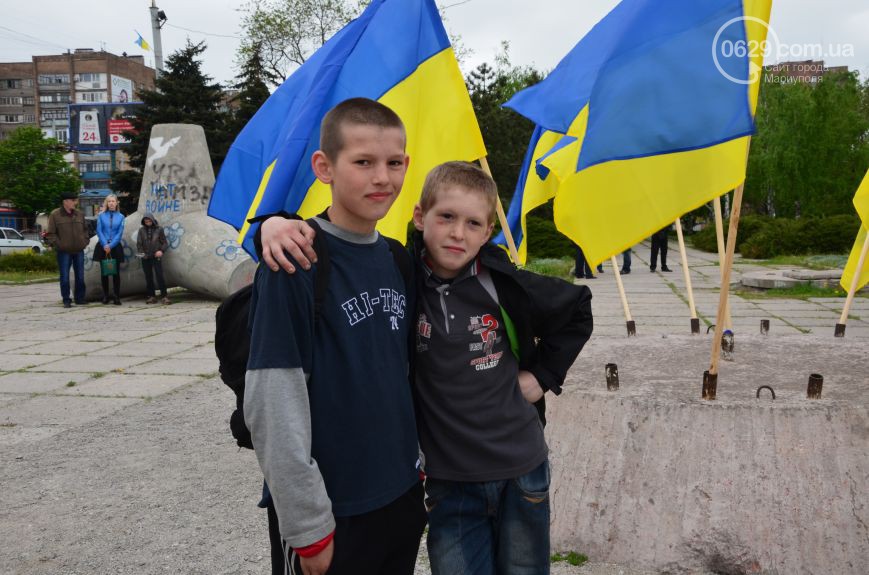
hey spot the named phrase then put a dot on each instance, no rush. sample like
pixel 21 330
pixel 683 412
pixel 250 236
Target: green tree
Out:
pixel 287 32
pixel 811 149
pixel 253 89
pixel 183 95
pixel 33 172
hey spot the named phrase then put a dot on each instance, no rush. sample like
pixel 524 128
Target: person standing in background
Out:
pixel 110 230
pixel 151 244
pixel 68 234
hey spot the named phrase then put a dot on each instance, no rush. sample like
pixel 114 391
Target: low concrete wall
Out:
pixel 652 476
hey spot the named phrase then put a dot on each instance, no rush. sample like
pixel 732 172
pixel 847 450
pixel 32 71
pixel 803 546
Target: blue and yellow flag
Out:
pixel 141 42
pixel 658 102
pixel 396 52
pixel 861 204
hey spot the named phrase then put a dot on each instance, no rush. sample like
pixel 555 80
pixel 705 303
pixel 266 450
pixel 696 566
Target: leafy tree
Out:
pixel 253 90
pixel 287 32
pixel 811 148
pixel 33 172
pixel 183 95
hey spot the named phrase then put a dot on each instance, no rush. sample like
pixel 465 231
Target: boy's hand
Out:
pixel 530 388
pixel 295 236
pixel 319 563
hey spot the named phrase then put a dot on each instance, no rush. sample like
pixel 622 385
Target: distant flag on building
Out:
pixel 861 203
pixel 654 125
pixel 396 52
pixel 141 42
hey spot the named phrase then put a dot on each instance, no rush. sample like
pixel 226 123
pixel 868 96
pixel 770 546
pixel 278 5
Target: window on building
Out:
pixel 29 118
pixel 11 100
pixel 61 136
pixel 91 96
pixel 90 167
pixel 54 114
pixel 11 84
pixel 96 184
pixel 47 79
pixel 28 100
pixel 27 83
pixel 10 119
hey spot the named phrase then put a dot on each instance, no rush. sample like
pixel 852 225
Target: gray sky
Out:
pixel 540 32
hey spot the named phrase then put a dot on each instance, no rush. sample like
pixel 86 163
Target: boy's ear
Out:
pixel 489 232
pixel 417 217
pixel 322 166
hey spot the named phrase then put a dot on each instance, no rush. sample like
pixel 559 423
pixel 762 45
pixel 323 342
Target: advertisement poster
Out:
pixel 122 89
pixel 89 128
pixel 116 127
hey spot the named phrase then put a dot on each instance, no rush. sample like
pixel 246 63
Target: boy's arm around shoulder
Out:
pixel 561 320
pixel 276 406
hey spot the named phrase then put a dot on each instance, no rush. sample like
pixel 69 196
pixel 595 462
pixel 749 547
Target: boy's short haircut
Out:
pixel 355 111
pixel 458 174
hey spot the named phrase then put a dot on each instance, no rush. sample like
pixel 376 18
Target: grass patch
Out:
pixel 801 291
pixel 572 558
pixel 557 267
pixel 70 384
pixel 98 374
pixel 817 262
pixel 17 277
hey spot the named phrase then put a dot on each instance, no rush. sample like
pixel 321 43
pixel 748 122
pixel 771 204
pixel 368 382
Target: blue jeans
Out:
pixel 489 528
pixel 64 261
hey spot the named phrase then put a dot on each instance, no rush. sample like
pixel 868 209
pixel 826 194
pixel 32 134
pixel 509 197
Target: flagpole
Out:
pixel 629 321
pixel 719 236
pixel 710 378
pixel 502 217
pixel 695 322
pixel 840 327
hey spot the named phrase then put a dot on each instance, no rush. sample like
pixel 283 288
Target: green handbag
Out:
pixel 109 267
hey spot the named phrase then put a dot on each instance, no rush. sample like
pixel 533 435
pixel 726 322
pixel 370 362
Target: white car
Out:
pixel 12 241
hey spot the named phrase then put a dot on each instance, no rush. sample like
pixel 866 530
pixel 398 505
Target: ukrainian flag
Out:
pixel 659 120
pixel 861 203
pixel 141 42
pixel 396 52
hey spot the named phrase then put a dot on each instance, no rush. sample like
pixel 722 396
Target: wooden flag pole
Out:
pixel 710 378
pixel 629 321
pixel 502 217
pixel 719 235
pixel 840 331
pixel 695 322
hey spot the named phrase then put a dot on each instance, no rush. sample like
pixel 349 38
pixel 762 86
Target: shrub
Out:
pixel 551 267
pixel 28 262
pixel 544 241
pixel 749 225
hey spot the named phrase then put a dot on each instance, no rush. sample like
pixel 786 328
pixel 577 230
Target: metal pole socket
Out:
pixel 840 330
pixel 727 345
pixel 764 326
pixel 816 384
pixel 695 325
pixel 632 328
pixel 612 377
pixel 710 385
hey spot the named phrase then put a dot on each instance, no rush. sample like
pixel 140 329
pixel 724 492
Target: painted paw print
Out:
pixel 228 249
pixel 173 235
pixel 128 254
pixel 88 259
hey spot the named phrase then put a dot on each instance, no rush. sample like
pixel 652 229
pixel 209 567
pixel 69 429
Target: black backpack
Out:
pixel 232 339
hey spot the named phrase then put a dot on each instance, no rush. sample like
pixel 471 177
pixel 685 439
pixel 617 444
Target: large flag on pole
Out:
pixel 861 203
pixel 657 105
pixel 396 52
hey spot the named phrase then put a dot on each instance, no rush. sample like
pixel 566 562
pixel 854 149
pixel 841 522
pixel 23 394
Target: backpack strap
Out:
pixel 321 268
pixel 402 260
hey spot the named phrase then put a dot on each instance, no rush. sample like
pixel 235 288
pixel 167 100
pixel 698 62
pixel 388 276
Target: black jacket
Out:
pixel 552 317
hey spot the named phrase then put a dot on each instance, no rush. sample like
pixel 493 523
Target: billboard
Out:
pixel 122 89
pixel 94 127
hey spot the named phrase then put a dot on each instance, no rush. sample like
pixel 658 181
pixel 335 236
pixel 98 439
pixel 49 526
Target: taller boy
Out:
pixel 329 405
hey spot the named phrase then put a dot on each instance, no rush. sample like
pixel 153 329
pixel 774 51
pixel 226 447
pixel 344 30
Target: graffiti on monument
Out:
pixel 171 185
pixel 228 250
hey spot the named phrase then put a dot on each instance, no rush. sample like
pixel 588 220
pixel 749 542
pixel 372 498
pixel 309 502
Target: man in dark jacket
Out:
pixel 151 244
pixel 68 233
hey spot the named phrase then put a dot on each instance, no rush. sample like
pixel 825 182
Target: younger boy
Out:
pixel 490 340
pixel 327 397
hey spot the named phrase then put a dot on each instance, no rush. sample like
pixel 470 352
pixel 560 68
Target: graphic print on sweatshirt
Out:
pixel 388 302
pixel 486 327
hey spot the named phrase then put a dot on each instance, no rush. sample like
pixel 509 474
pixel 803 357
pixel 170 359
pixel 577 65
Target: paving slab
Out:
pixel 92 363
pixel 15 361
pixel 185 337
pixel 141 349
pixel 200 352
pixel 129 385
pixel 177 366
pixel 30 382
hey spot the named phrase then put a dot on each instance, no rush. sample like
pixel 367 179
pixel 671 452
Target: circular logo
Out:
pixel 726 49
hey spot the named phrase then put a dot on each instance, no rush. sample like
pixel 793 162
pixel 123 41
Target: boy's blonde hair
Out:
pixel 458 174
pixel 106 202
pixel 355 111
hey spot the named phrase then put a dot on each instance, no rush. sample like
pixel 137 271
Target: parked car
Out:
pixel 12 241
